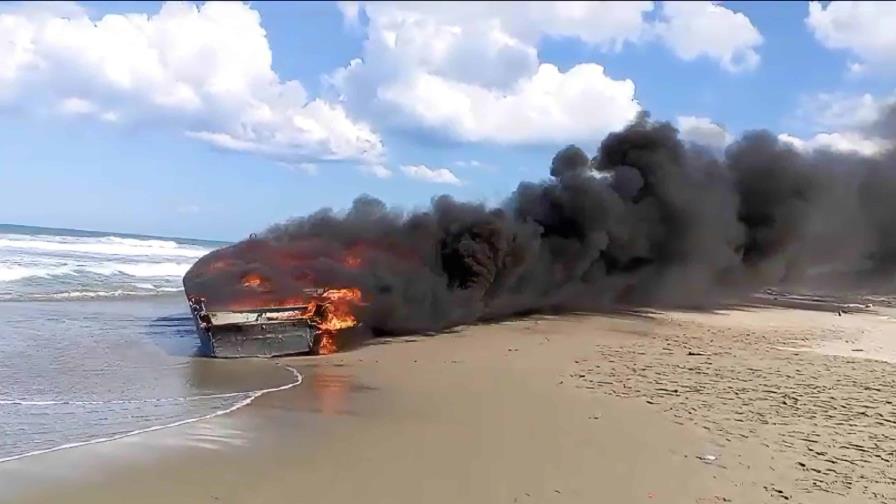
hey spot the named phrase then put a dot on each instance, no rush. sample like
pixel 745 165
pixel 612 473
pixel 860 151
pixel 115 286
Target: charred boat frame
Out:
pixel 258 332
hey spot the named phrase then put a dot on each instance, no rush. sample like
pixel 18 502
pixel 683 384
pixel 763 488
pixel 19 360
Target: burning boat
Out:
pixel 309 327
pixel 261 299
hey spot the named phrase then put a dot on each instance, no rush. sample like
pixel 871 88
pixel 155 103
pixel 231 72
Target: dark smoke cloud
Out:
pixel 649 220
pixel 885 125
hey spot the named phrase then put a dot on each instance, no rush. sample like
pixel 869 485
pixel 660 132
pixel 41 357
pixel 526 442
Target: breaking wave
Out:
pixel 102 294
pixel 71 264
pixel 106 245
pixel 11 273
pixel 168 269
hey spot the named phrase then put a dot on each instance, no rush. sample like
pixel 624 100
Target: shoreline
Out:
pixel 251 396
pixel 626 408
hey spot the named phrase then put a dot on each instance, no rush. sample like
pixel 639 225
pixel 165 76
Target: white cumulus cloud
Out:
pixel 471 71
pixel 206 69
pixel 849 142
pixel 707 29
pixel 703 131
pixel 843 111
pixel 844 123
pixel 434 175
pixel 863 28
pixel 550 106
pixel 377 170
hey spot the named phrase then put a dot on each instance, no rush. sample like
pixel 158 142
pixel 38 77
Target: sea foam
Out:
pixel 107 245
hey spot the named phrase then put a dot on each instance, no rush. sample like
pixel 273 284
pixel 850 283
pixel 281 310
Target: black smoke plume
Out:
pixel 649 220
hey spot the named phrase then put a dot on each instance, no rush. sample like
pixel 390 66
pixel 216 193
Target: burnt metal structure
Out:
pixel 259 332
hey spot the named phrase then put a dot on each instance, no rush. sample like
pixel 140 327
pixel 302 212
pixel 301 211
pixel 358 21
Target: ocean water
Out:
pixel 96 341
pixel 53 264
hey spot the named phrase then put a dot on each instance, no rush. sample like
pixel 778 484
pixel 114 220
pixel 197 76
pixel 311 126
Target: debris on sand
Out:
pixel 709 459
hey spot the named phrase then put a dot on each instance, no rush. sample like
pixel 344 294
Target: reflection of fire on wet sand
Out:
pixel 331 391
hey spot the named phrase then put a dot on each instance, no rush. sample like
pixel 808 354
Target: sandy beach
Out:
pixel 750 404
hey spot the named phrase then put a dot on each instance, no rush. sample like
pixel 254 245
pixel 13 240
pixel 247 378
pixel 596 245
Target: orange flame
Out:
pixel 337 310
pixel 329 310
pixel 254 280
pixel 336 314
pixel 343 294
pixel 327 343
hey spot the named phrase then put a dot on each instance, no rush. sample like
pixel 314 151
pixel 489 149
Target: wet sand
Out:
pixel 647 407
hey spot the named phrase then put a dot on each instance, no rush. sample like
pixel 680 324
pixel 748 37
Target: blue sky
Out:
pixel 102 128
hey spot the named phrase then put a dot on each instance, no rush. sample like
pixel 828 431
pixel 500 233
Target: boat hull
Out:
pixel 252 333
pixel 257 341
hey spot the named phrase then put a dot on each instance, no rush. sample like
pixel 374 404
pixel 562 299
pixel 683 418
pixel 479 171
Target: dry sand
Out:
pixel 661 407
